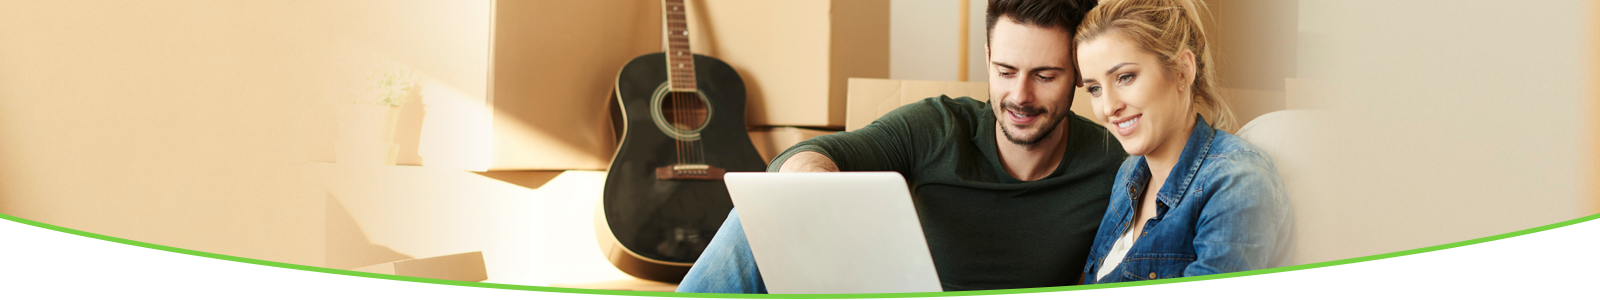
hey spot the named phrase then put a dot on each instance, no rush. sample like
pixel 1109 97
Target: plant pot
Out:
pixel 366 134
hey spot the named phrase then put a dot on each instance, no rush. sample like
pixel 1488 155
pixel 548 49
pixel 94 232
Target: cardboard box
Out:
pixel 770 141
pixel 553 66
pixel 631 284
pixel 871 98
pixel 1247 104
pixel 464 267
pixel 795 56
pixel 504 84
pixel 525 84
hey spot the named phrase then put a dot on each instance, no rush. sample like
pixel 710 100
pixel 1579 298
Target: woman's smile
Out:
pixel 1126 126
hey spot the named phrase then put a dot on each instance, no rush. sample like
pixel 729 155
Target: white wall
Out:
pixel 923 39
pixel 978 35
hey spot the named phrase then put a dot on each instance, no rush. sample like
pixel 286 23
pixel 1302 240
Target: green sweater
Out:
pixel 985 229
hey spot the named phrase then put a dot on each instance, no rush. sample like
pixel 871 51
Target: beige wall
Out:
pixel 173 122
pixel 1451 126
pixel 189 124
pixel 923 39
pixel 1255 48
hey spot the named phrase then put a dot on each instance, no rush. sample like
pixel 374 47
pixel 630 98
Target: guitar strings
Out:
pixel 677 117
pixel 700 117
pixel 689 111
pixel 694 121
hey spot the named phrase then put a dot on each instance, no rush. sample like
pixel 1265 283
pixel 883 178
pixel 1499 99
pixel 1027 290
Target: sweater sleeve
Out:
pixel 896 142
pixel 1244 224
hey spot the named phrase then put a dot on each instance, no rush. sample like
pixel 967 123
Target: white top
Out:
pixel 1119 250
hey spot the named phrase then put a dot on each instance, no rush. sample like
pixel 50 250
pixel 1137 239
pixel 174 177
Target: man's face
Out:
pixel 1031 77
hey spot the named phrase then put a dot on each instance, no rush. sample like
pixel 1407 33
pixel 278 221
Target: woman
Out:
pixel 1191 199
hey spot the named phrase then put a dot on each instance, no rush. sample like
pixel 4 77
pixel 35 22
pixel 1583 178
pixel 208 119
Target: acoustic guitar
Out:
pixel 683 127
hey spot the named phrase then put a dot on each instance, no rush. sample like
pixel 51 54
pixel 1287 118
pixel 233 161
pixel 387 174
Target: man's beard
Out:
pixel 1045 129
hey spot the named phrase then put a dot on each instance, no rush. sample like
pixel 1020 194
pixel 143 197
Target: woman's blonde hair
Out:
pixel 1164 28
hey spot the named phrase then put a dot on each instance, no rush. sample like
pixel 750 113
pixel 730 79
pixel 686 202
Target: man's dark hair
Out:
pixel 1063 14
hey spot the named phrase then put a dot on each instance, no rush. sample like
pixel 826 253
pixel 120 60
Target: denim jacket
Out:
pixel 1222 209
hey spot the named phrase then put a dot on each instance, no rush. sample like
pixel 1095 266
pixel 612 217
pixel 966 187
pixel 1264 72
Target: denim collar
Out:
pixel 1194 153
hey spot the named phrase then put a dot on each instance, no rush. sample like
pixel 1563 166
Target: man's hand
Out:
pixel 808 161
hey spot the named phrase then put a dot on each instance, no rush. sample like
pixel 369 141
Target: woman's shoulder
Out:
pixel 1233 163
pixel 1235 154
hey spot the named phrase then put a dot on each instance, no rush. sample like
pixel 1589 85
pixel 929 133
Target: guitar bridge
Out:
pixel 689 172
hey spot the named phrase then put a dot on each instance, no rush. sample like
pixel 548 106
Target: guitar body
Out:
pixel 661 225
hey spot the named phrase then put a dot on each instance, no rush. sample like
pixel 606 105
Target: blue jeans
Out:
pixel 726 266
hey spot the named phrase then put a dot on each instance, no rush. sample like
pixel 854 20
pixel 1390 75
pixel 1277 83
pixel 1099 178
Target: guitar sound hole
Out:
pixel 685 111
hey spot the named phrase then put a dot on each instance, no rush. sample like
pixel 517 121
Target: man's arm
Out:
pixel 808 161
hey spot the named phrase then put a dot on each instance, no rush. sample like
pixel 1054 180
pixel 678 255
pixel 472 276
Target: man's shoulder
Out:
pixel 938 112
pixel 944 105
pixel 1092 132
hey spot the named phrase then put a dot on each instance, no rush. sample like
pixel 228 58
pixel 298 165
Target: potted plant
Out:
pixel 368 115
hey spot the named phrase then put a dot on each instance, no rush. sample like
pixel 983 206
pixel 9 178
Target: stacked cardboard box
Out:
pixel 552 73
pixel 464 267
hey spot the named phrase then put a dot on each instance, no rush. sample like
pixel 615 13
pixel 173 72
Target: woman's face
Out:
pixel 1144 105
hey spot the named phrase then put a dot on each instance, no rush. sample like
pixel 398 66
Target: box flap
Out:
pixel 464 267
pixel 771 141
pixel 869 98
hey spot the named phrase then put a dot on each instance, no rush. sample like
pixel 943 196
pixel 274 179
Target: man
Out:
pixel 1009 192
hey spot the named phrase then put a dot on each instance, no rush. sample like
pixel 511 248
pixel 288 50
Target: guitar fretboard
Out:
pixel 680 61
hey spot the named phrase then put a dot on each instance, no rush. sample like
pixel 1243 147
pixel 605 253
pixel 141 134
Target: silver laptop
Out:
pixel 846 232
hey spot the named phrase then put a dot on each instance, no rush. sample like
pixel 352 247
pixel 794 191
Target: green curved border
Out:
pixel 791 296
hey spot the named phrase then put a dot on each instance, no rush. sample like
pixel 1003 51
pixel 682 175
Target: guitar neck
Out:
pixel 680 61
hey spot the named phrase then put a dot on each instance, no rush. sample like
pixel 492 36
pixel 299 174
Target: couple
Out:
pixel 1013 192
